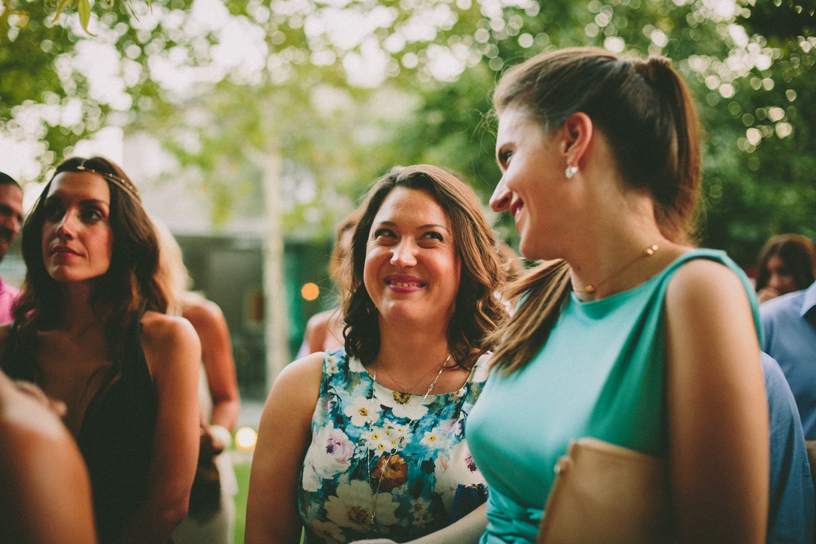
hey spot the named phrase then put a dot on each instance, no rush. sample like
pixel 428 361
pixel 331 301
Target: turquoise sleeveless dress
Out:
pixel 600 374
pixel 375 449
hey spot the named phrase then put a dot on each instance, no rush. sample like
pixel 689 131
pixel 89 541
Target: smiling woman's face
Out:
pixel 412 268
pixel 533 187
pixel 77 241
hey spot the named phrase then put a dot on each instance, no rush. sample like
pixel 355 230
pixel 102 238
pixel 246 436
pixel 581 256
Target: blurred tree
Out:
pixel 348 89
pixel 51 91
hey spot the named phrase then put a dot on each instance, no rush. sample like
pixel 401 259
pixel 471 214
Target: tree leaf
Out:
pixel 61 6
pixel 84 9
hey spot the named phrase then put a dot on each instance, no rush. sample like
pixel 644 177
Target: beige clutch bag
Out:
pixel 604 493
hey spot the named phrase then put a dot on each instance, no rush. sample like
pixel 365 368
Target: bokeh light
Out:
pixel 309 291
pixel 245 438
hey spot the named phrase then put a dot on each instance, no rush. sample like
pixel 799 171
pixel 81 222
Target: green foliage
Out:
pixel 750 191
pixel 751 71
pixel 780 19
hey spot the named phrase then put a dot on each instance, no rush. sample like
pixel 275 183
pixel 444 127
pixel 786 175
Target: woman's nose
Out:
pixel 403 254
pixel 500 200
pixel 65 228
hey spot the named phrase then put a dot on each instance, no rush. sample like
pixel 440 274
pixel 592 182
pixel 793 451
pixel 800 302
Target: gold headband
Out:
pixel 124 184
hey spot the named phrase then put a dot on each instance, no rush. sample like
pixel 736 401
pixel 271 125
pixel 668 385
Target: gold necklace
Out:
pixel 404 389
pixel 645 253
pixel 372 519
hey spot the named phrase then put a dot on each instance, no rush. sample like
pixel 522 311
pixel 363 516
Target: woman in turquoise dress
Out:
pixel 369 441
pixel 627 334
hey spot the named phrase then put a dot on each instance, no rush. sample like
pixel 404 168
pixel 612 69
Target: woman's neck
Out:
pixel 77 313
pixel 621 248
pixel 410 354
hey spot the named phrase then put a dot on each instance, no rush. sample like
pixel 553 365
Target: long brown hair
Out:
pixel 477 309
pixel 127 289
pixel 645 111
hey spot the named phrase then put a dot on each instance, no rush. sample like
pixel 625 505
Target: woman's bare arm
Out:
pixel 717 410
pixel 284 436
pixel 216 354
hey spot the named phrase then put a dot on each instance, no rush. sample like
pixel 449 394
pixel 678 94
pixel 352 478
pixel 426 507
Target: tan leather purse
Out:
pixel 604 493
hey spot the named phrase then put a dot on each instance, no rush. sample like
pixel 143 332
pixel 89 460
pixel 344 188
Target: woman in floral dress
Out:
pixel 369 441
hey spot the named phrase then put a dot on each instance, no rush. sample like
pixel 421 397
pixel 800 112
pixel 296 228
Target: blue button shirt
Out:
pixel 791 501
pixel 789 336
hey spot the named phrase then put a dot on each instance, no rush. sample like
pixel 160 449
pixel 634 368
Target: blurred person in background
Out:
pixel 11 218
pixel 787 263
pixel 211 518
pixel 789 320
pixel 324 330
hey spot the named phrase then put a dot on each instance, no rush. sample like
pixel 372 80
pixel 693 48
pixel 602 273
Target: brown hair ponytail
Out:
pixel 544 291
pixel 675 201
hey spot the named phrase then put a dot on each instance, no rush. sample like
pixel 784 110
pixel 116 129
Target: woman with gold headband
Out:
pixel 90 330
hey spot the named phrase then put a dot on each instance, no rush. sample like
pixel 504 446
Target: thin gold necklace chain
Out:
pixel 420 380
pixel 645 252
pixel 372 519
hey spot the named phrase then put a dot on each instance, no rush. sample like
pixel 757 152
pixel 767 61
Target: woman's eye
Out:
pixel 504 158
pixel 91 215
pixel 430 240
pixel 53 211
pixel 383 233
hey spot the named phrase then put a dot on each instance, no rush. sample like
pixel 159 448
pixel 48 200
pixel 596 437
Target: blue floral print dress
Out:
pixel 357 425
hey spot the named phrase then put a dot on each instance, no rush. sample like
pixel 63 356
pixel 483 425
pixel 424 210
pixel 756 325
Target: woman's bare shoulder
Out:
pixel 299 381
pixel 324 319
pixel 200 310
pixel 162 327
pixel 704 280
pixel 306 370
pixel 169 339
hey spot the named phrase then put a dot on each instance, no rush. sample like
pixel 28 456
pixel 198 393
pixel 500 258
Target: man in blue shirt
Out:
pixel 789 336
pixel 791 501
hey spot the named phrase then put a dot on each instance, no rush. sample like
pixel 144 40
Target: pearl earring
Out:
pixel 570 171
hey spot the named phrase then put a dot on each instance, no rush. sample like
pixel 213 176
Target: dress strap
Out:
pixel 17 363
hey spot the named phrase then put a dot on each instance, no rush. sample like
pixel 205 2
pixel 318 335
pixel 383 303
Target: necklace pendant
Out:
pixel 372 527
pixel 589 288
pixel 649 251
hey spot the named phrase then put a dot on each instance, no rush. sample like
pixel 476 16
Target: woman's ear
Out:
pixel 577 133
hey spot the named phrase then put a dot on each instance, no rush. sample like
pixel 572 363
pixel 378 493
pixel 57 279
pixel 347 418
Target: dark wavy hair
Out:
pixel 122 293
pixel 477 308
pixel 798 254
pixel 645 111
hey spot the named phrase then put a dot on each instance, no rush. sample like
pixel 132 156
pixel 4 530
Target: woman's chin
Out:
pixel 69 276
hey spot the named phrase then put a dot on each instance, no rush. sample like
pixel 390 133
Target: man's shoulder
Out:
pixel 789 304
